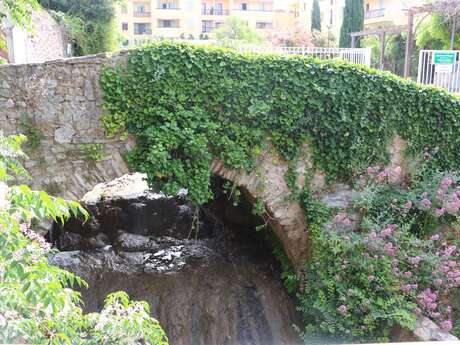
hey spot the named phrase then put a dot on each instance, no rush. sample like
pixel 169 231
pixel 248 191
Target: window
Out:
pixel 219 9
pixel 124 26
pixel 367 7
pixel 167 5
pixel 264 25
pixel 140 8
pixel 244 6
pixel 206 26
pixel 263 7
pixel 142 29
pixel 331 17
pixel 219 24
pixel 124 9
pixel 168 23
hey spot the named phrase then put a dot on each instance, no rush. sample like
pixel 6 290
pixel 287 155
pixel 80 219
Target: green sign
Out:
pixel 444 58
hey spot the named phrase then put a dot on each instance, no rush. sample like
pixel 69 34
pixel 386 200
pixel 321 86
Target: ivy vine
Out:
pixel 187 105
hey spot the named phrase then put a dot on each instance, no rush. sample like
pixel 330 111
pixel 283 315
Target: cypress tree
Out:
pixel 353 20
pixel 315 16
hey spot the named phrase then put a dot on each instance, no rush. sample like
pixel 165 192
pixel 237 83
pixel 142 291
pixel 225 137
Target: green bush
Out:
pixel 188 105
pixel 369 275
pixel 37 302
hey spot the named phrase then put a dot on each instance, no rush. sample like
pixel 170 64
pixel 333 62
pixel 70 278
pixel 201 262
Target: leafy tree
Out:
pixel 436 33
pixel 19 12
pixel 323 39
pixel 315 16
pixel 293 37
pixel 234 31
pixel 91 23
pixel 394 52
pixel 37 302
pixel 353 20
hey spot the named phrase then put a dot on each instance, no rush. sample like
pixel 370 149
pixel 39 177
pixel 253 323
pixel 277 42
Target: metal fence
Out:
pixel 440 68
pixel 354 55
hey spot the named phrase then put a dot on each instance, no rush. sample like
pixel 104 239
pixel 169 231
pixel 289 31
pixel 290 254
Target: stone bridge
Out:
pixel 57 105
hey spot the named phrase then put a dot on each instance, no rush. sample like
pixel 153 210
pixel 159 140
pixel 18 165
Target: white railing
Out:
pixel 354 55
pixel 440 68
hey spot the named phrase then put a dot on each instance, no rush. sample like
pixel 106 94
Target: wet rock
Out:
pixel 72 241
pixel 133 243
pixel 217 283
pixel 100 241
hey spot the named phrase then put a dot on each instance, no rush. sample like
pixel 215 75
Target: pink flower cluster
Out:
pixel 446 199
pixel 445 277
pixel 392 175
pixel 428 301
pixel 343 309
pixel 32 235
pixel 342 219
pixel 381 244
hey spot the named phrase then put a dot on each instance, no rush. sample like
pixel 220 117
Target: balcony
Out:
pixel 168 6
pixel 142 14
pixel 372 14
pixel 253 9
pixel 145 32
pixel 214 12
pixel 207 29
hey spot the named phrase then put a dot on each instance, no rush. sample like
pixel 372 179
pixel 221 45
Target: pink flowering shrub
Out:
pixel 429 201
pixel 366 278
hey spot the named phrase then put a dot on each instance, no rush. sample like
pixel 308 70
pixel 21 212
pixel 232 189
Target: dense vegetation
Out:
pixel 315 16
pixel 353 21
pixel 188 105
pixel 90 23
pixel 37 302
pixel 396 262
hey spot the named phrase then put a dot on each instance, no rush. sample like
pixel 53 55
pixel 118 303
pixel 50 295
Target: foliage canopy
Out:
pixel 235 30
pixel 315 16
pixel 91 23
pixel 353 21
pixel 188 105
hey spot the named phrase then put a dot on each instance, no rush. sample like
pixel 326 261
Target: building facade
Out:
pixel 384 13
pixel 47 41
pixel 300 11
pixel 332 16
pixel 144 20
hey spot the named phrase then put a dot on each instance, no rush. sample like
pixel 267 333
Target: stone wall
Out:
pixel 59 103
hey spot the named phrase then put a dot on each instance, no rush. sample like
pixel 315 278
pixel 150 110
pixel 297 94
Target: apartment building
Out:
pixel 300 13
pixel 381 13
pixel 143 20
